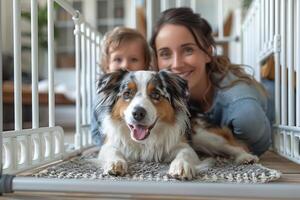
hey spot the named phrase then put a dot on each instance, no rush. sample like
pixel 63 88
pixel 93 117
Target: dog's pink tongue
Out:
pixel 140 132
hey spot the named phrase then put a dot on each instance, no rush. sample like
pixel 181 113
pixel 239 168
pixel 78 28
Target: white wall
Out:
pixel 209 10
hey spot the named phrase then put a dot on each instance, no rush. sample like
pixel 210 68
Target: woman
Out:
pixel 223 92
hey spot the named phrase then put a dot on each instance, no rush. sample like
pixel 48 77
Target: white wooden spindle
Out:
pixel 179 3
pixel 277 49
pixel 164 5
pixel 93 65
pixel 51 94
pixel 290 63
pixel 1 96
pixel 77 33
pixel 88 74
pixel 264 31
pixel 83 73
pixel 256 32
pixel 272 19
pixel 283 64
pixel 34 64
pixel 297 63
pixel 149 18
pixel 98 53
pixel 17 65
pixel 220 19
pixel 261 38
pixel 267 23
pixel 194 5
pixel 133 21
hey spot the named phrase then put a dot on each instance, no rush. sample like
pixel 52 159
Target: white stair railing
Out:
pixel 275 24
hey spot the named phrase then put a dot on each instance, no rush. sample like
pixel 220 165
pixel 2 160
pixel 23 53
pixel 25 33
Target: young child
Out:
pixel 122 48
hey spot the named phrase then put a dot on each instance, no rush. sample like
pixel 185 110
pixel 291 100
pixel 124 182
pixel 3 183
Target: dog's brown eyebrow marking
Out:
pixel 150 87
pixel 132 86
pixel 129 81
pixel 156 83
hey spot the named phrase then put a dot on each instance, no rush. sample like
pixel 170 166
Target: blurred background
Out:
pixel 103 15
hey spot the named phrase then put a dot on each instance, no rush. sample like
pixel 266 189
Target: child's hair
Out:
pixel 113 39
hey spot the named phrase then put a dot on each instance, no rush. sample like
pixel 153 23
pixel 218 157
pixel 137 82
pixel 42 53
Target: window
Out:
pixel 110 13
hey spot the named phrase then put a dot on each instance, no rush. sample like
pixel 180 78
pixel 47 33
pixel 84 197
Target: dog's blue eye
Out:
pixel 127 95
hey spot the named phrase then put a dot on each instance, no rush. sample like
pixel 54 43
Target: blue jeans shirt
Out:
pixel 97 135
pixel 245 110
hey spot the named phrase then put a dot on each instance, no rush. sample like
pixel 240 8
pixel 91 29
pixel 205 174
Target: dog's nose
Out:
pixel 139 113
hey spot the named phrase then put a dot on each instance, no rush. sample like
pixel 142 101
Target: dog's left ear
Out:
pixel 175 84
pixel 176 87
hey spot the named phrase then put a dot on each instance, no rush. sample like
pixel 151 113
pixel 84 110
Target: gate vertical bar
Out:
pixel 149 18
pixel 93 65
pixel 51 63
pixel 257 35
pixel 283 64
pixel 163 5
pixel 34 64
pixel 267 23
pixel 262 24
pixel 1 93
pixel 17 65
pixel 77 34
pixel 290 63
pixel 277 49
pixel 78 136
pixel 297 64
pixel 98 57
pixel 89 73
pixel 220 19
pixel 133 21
pixel 193 5
pixel 271 23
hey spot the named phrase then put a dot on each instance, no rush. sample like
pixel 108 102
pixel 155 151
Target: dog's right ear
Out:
pixel 108 87
pixel 110 82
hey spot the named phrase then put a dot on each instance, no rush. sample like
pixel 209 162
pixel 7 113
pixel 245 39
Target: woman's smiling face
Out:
pixel 178 51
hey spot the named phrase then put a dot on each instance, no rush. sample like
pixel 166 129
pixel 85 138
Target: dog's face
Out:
pixel 143 99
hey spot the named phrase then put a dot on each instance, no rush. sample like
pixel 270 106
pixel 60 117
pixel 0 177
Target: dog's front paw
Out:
pixel 116 168
pixel 246 158
pixel 182 170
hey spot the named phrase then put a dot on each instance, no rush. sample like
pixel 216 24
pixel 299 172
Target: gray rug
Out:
pixel 224 171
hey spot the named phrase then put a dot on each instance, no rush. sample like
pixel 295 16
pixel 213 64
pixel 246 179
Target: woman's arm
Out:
pixel 250 124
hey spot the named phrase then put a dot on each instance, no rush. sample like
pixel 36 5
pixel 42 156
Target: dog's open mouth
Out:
pixel 140 132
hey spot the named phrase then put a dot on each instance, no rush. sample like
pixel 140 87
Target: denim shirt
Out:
pixel 243 109
pixel 97 135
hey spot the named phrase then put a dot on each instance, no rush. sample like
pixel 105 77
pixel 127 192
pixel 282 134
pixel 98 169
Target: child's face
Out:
pixel 128 56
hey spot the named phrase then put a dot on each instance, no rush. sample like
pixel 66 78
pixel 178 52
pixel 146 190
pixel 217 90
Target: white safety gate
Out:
pixel 272 23
pixel 26 149
pixel 272 28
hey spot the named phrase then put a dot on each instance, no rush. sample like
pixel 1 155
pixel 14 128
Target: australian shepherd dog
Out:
pixel 145 118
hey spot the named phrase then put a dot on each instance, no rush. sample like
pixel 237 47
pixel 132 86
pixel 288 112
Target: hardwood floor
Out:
pixel 290 175
pixel 290 170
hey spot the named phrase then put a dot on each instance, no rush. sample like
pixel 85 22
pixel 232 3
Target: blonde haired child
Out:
pixel 122 48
